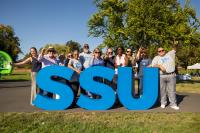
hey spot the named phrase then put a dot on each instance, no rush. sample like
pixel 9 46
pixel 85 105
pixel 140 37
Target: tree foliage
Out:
pixel 64 48
pixel 146 23
pixel 72 45
pixel 60 48
pixel 9 42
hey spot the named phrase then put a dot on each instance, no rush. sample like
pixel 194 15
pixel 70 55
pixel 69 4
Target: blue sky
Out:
pixel 38 22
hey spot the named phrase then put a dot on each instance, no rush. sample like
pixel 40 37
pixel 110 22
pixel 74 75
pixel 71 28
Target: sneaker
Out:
pixel 162 106
pixel 175 107
pixel 57 97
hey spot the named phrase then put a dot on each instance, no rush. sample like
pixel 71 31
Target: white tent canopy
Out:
pixel 195 66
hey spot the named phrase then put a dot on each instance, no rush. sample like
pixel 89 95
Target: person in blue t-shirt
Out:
pixel 97 61
pixel 75 64
pixel 142 61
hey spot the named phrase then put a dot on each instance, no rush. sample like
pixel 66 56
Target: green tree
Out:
pixel 64 48
pixel 146 23
pixel 72 45
pixel 60 48
pixel 108 22
pixel 9 42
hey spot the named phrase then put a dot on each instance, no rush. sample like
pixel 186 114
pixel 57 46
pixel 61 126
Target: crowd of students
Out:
pixel 111 59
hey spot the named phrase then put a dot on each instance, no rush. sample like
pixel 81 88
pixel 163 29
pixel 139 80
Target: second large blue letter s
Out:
pixel 87 82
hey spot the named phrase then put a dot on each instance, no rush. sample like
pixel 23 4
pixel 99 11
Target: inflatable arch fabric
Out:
pixel 5 66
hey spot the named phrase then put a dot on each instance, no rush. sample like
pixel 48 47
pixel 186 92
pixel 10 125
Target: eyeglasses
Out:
pixel 161 51
pixel 86 46
pixel 69 55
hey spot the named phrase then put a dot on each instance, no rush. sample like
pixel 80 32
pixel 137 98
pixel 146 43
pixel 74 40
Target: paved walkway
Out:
pixel 15 97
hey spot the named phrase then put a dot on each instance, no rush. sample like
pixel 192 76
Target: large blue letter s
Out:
pixel 87 82
pixel 45 82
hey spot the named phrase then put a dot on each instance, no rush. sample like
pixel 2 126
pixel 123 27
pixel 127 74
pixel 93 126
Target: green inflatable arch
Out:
pixel 5 66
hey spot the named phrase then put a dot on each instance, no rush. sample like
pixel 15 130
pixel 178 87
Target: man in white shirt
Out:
pixel 85 59
pixel 86 56
pixel 166 63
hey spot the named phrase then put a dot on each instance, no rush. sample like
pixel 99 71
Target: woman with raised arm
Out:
pixel 36 66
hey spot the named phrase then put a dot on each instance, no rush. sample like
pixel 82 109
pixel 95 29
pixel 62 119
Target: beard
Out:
pixel 85 50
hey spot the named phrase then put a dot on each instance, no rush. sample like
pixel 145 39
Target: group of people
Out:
pixel 112 59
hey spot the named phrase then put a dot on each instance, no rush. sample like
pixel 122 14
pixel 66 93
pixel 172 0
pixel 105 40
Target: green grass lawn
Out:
pixel 93 122
pixel 17 75
pixel 190 86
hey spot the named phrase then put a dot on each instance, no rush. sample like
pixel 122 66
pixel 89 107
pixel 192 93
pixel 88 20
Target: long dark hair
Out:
pixel 118 48
pixel 34 49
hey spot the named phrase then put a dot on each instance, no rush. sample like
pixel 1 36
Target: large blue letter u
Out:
pixel 150 89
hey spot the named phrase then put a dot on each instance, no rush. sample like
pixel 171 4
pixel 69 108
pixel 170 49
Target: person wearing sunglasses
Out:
pixel 75 65
pixel 131 63
pixel 131 57
pixel 96 61
pixel 48 58
pixel 109 59
pixel 143 61
pixel 85 59
pixel 86 56
pixel 68 56
pixel 166 64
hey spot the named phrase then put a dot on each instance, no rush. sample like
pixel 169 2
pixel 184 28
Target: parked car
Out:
pixel 184 77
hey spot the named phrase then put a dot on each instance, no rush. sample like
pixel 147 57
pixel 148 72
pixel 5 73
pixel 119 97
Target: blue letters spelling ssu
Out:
pixel 108 96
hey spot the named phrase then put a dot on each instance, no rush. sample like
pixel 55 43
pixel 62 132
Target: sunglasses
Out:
pixel 51 51
pixel 128 51
pixel 69 55
pixel 161 51
pixel 110 52
pixel 97 52
pixel 86 46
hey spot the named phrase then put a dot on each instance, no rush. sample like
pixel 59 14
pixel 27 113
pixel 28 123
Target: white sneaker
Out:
pixel 175 107
pixel 57 97
pixel 162 106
